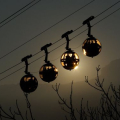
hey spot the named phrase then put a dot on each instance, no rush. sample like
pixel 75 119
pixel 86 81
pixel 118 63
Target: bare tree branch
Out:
pixel 28 105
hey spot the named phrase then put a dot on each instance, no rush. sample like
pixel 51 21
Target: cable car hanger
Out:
pixel 89 26
pixel 46 51
pixel 25 59
pixel 65 35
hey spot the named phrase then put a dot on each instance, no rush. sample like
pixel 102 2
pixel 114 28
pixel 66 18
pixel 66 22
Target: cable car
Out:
pixel 48 72
pixel 28 82
pixel 69 59
pixel 91 46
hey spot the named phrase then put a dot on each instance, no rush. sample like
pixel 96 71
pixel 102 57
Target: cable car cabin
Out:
pixel 28 83
pixel 91 47
pixel 48 72
pixel 69 60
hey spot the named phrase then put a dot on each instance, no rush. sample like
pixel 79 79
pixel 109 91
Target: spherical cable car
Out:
pixel 69 59
pixel 48 72
pixel 91 46
pixel 28 82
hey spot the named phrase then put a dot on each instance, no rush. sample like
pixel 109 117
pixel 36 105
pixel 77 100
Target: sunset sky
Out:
pixel 45 14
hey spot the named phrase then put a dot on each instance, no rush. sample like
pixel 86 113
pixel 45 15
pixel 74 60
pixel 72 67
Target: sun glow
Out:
pixel 76 67
pixel 84 52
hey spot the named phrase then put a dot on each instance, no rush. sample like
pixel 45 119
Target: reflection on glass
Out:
pixel 84 52
pixel 91 47
pixel 28 83
pixel 76 67
pixel 98 42
pixel 49 73
pixel 70 61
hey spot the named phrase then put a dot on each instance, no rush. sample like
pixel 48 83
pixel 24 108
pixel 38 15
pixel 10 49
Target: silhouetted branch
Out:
pixel 0 115
pixel 19 112
pixel 81 112
pixel 71 103
pixel 12 115
pixel 65 110
pixel 63 101
pixel 6 115
pixel 26 116
pixel 28 105
pixel 66 117
pixel 91 111
pixel 86 80
pixel 109 104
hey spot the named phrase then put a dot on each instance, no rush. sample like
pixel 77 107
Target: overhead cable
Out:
pixel 44 30
pixel 62 38
pixel 16 12
pixel 62 44
pixel 19 14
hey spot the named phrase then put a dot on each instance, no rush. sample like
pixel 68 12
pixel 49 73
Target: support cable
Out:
pixel 73 37
pixel 17 14
pixel 45 30
pixel 62 44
